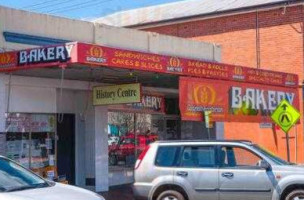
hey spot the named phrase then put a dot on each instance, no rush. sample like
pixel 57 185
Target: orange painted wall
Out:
pixel 281 49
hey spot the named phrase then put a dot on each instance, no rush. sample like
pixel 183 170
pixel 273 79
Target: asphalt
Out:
pixel 123 192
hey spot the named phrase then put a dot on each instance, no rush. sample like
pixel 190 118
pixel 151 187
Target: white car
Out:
pixel 18 183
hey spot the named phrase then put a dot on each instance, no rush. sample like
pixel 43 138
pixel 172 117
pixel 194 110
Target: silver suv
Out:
pixel 215 170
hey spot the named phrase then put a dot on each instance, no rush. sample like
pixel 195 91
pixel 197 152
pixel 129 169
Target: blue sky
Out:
pixel 80 9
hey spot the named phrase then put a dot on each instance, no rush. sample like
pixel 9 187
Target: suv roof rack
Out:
pixel 186 141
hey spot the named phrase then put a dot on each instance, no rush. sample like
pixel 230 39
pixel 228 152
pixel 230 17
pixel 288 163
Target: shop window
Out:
pixel 30 140
pixel 128 136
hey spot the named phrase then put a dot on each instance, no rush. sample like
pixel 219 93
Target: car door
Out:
pixel 240 177
pixel 198 172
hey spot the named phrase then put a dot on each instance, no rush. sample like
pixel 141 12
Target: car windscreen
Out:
pixel 14 177
pixel 271 156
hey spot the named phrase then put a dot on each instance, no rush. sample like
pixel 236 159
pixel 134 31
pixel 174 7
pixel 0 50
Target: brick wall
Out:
pixel 281 49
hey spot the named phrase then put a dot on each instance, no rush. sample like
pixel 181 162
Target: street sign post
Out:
pixel 208 122
pixel 285 116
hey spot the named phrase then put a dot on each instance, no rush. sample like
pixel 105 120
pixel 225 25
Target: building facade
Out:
pixel 48 122
pixel 259 34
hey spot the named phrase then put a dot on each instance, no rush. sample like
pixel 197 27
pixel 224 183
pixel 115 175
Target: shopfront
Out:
pixel 30 140
pixel 95 108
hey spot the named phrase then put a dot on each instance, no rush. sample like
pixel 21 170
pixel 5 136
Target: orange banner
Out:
pixel 230 100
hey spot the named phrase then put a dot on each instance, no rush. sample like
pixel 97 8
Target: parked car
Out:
pixel 18 183
pixel 128 146
pixel 215 170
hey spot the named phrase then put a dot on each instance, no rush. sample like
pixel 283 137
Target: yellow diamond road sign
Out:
pixel 285 115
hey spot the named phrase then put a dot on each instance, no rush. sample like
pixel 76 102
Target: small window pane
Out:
pixel 199 157
pixel 166 156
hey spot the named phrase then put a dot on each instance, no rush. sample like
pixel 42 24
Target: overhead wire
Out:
pixel 54 5
pixel 71 7
pixel 77 6
pixel 38 4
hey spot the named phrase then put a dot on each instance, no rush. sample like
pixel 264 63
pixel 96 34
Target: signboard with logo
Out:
pixel 154 104
pixel 61 53
pixel 231 101
pixel 117 94
pixel 112 57
pixel 100 56
pixel 38 57
pixel 8 59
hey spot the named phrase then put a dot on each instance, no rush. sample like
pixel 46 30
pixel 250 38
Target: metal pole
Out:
pixel 30 149
pixel 207 122
pixel 287 145
pixel 296 145
pixel 135 135
pixel 258 48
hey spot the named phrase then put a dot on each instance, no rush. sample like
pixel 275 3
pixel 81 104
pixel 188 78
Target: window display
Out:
pixel 17 147
pixel 129 134
pixel 30 140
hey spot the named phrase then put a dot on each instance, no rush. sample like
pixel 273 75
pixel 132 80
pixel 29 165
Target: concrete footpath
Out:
pixel 123 192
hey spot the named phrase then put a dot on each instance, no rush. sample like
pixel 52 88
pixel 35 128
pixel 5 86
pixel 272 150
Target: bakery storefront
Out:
pixel 81 112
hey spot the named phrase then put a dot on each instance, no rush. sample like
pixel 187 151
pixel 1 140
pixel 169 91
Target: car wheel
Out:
pixel 112 160
pixel 295 195
pixel 170 195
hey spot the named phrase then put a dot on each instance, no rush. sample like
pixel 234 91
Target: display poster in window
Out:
pixel 20 122
pixel 49 143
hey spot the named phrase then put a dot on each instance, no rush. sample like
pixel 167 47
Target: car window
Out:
pixel 237 157
pixel 271 156
pixel 198 157
pixel 13 177
pixel 167 156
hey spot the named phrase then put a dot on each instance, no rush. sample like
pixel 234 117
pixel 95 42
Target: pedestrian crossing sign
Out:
pixel 285 116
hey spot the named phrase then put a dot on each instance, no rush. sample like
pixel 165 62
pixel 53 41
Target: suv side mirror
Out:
pixel 264 164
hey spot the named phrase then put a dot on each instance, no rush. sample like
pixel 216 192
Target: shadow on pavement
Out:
pixel 123 192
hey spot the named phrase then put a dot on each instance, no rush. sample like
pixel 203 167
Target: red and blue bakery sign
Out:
pixel 92 55
pixel 101 56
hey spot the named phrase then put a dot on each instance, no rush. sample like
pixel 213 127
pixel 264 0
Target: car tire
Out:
pixel 294 194
pixel 170 195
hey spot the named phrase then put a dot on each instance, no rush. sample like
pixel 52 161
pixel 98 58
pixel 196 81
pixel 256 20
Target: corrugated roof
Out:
pixel 179 10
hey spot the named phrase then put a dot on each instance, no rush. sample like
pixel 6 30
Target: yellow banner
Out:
pixel 117 94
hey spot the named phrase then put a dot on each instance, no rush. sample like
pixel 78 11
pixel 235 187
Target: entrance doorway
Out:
pixel 173 128
pixel 66 147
